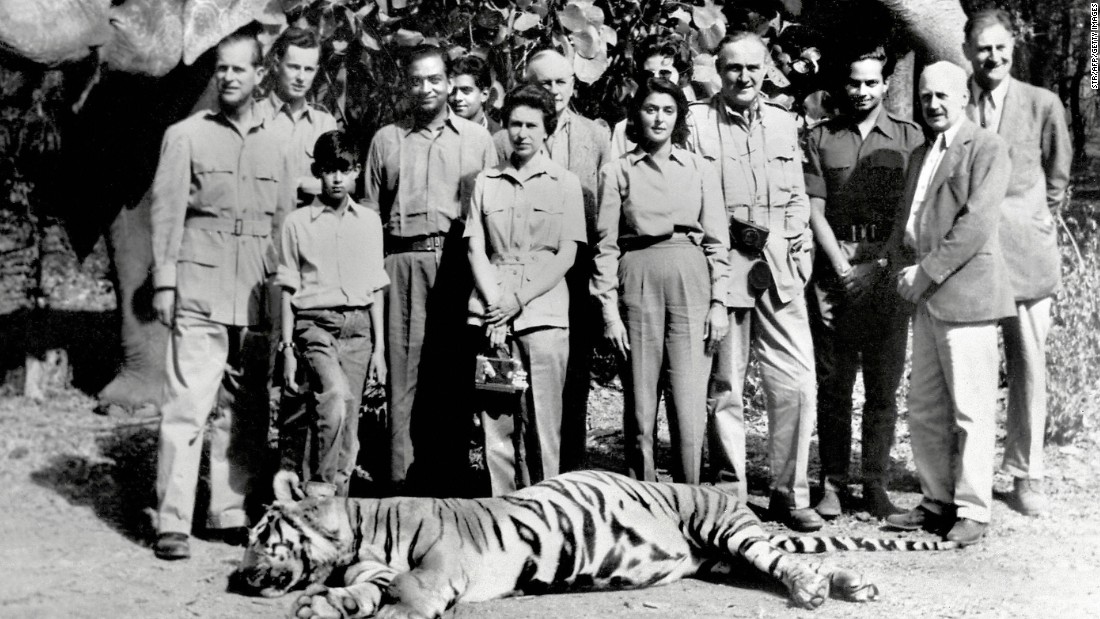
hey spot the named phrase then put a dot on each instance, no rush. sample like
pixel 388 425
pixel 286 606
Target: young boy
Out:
pixel 331 274
pixel 471 85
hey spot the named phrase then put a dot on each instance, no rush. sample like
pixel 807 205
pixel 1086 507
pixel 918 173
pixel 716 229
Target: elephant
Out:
pixel 152 68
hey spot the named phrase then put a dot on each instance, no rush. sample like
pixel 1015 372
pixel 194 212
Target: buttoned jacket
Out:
pixel 957 228
pixel 1033 123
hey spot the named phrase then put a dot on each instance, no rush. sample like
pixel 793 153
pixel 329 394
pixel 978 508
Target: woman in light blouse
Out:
pixel 526 219
pixel 661 271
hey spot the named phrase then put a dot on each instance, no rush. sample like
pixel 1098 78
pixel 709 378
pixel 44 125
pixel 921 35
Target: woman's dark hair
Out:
pixel 660 86
pixel 533 97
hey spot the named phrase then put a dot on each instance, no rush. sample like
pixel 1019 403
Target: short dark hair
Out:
pixel 659 46
pixel 246 34
pixel 529 95
pixel 476 68
pixel 657 85
pixel 878 53
pixel 423 51
pixel 305 38
pixel 334 150
pixel 988 17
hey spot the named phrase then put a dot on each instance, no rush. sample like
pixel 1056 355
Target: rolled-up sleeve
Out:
pixel 605 276
pixel 170 194
pixel 812 171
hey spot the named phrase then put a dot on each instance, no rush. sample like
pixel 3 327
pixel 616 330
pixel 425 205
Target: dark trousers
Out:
pixel 585 327
pixel 867 334
pixel 334 347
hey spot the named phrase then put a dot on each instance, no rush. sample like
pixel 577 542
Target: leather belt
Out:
pixel 635 243
pixel 401 244
pixel 856 233
pixel 236 227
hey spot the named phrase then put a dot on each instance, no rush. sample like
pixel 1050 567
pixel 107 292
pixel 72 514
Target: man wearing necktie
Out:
pixel 947 234
pixel 1033 122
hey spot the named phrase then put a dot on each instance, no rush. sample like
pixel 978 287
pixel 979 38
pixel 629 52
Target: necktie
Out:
pixel 985 107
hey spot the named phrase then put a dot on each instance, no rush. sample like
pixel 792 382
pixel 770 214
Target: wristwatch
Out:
pixel 285 345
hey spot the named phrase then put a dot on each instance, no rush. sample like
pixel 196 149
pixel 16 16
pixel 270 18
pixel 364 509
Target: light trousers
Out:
pixel 952 413
pixel 665 295
pixel 779 334
pixel 221 370
pixel 1025 337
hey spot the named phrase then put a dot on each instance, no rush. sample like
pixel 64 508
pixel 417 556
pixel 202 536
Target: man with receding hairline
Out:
pixel 1033 122
pixel 947 247
pixel 753 145
pixel 221 183
pixel 581 146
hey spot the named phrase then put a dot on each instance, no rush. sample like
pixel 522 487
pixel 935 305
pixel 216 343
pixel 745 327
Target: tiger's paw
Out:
pixel 321 602
pixel 808 590
pixel 852 587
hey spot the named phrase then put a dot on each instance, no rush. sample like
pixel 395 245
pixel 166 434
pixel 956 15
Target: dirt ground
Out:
pixel 73 540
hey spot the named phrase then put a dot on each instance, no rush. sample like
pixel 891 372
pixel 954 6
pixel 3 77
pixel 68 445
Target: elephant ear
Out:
pixel 205 22
pixel 51 32
pixel 148 37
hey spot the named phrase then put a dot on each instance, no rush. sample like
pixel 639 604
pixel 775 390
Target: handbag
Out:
pixel 500 372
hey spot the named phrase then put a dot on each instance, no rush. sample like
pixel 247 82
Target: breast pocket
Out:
pixel 266 173
pixel 545 225
pixel 217 179
pixel 781 163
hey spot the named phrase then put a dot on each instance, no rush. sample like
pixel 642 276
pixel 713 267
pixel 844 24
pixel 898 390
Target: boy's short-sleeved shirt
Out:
pixel 331 260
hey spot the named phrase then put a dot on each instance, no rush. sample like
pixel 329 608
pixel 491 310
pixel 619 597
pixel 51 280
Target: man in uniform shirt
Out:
pixel 297 123
pixel 419 174
pixel 855 173
pixel 581 146
pixel 1033 123
pixel 220 182
pixel 945 243
pixel 471 89
pixel 754 146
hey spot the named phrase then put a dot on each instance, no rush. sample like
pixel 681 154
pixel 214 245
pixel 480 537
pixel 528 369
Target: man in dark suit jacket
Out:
pixel 581 146
pixel 1033 122
pixel 960 286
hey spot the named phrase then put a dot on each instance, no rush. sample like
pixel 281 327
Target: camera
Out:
pixel 747 236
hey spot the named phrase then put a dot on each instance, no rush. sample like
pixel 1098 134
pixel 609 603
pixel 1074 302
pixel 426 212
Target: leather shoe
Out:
pixel 233 536
pixel 829 506
pixel 172 546
pixel 803 520
pixel 966 531
pixel 877 502
pixel 1027 497
pixel 916 518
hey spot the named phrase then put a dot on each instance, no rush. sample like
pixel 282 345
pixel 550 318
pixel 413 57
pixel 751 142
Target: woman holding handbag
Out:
pixel 525 221
pixel 661 271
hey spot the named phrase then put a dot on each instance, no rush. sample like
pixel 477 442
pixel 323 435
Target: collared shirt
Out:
pixel 419 179
pixel 759 161
pixel 525 217
pixel 641 197
pixel 298 131
pixel 990 104
pixel 928 169
pixel 330 259
pixel 216 194
pixel 557 144
pixel 861 179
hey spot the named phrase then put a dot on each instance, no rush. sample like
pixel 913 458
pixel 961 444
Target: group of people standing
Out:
pixel 707 237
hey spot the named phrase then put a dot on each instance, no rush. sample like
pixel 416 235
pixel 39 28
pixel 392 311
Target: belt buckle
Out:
pixel 238 227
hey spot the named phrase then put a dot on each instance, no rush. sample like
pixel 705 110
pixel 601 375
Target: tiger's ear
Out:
pixel 287 486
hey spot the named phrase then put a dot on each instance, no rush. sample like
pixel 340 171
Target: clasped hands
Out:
pixel 499 317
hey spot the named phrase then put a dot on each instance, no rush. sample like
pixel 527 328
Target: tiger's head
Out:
pixel 300 540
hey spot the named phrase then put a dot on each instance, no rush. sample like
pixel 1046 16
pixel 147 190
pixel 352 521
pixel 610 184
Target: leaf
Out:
pixel 707 15
pixel 369 41
pixel 526 21
pixel 609 36
pixel 588 70
pixel 711 36
pixel 407 38
pixel 703 69
pixel 489 19
pixel 594 15
pixel 587 42
pixel 573 18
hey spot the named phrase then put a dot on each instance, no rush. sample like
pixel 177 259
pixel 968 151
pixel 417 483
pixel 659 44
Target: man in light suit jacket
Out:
pixel 1033 123
pixel 581 146
pixel 960 286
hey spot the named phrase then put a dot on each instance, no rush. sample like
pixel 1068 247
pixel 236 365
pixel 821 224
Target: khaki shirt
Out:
pixel 215 195
pixel 298 131
pixel 419 180
pixel 760 164
pixel 525 217
pixel 639 199
pixel 329 260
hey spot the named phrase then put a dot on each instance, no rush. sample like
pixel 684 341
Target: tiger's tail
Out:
pixel 819 544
